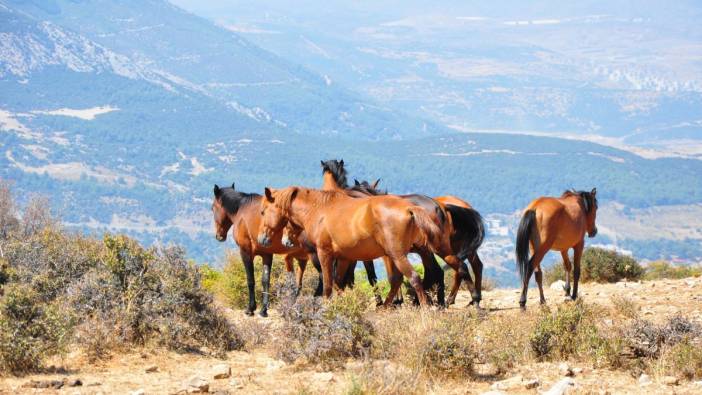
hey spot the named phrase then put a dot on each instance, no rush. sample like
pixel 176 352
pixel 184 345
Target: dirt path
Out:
pixel 259 372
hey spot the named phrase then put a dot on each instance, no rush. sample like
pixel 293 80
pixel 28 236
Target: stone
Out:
pixel 221 371
pixel 561 387
pixel 274 365
pixel 533 383
pixel 557 285
pixel 486 369
pixel 196 384
pixel 644 380
pixel 54 384
pixel 508 384
pixel 151 369
pixel 670 380
pixel 323 377
pixel 493 393
pixel 565 369
pixel 236 384
pixel 140 391
pixel 577 371
pixel 72 382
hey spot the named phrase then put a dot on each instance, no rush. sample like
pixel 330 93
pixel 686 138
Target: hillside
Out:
pixel 259 371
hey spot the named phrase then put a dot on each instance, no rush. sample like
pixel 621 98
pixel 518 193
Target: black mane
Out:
pixel 232 200
pixel 588 200
pixel 367 188
pixel 336 168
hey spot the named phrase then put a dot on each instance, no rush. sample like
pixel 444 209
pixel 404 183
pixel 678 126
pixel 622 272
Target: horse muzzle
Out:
pixel 593 233
pixel 287 243
pixel 264 240
pixel 220 238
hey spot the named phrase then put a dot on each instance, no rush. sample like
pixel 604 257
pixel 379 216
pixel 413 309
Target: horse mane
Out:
pixel 336 168
pixel 588 200
pixel 232 200
pixel 366 188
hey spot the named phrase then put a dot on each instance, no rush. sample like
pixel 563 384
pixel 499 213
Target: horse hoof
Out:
pixel 249 312
pixel 263 313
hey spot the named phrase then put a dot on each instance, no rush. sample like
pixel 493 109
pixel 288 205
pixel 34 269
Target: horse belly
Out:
pixel 360 250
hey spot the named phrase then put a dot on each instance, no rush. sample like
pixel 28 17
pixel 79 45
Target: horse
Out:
pixel 461 224
pixel 241 211
pixel 352 229
pixel 557 224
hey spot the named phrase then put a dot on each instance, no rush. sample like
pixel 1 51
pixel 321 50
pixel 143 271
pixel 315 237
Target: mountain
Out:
pixel 127 113
pixel 593 68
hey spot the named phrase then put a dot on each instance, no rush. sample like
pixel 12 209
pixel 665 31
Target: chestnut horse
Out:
pixel 557 224
pixel 242 212
pixel 351 229
pixel 464 228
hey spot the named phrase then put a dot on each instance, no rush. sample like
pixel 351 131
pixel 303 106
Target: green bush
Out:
pixel 599 265
pixel 30 329
pixel 232 286
pixel 661 269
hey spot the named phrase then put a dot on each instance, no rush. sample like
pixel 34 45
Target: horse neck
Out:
pixel 330 183
pixel 304 209
pixel 233 217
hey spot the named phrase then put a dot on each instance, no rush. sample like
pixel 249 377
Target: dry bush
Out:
pixel 428 342
pixel 665 270
pixel 601 266
pixel 625 306
pixel 327 333
pixel 385 378
pixel 30 329
pixel 254 333
pixel 683 359
pixel 504 341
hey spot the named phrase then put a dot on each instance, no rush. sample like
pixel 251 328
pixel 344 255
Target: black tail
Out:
pixel 469 230
pixel 523 236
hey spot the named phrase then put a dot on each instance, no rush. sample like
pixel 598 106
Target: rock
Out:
pixel 94 384
pixel 644 379
pixel 533 383
pixel 565 369
pixel 140 391
pixel 608 322
pixel 486 369
pixel 323 377
pixel 670 380
pixel 577 371
pixel 72 382
pixel 236 384
pixel 196 384
pixel 493 393
pixel 274 365
pixel 54 384
pixel 151 369
pixel 222 371
pixel 557 285
pixel 508 384
pixel 561 387
pixel 697 383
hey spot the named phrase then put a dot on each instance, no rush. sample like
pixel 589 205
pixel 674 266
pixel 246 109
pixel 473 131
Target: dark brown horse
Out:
pixel 557 224
pixel 352 229
pixel 242 212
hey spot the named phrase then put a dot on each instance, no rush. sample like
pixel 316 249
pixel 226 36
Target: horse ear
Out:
pixel 217 191
pixel 341 162
pixel 269 194
pixel 594 191
pixel 233 186
pixel 321 162
pixel 293 195
pixel 375 184
pixel 355 181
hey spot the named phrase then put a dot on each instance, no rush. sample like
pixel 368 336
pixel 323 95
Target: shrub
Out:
pixel 599 265
pixel 661 269
pixel 504 341
pixel 30 329
pixel 233 286
pixel 625 306
pixel 682 359
pixel 316 332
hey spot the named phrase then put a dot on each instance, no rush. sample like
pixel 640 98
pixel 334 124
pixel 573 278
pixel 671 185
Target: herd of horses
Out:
pixel 338 225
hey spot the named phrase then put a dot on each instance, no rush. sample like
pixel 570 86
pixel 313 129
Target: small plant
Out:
pixel 682 359
pixel 665 270
pixel 625 306
pixel 30 329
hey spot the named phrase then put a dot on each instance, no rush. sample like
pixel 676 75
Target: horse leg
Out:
pixel 373 280
pixel 405 267
pixel 395 279
pixel 302 264
pixel 461 273
pixel 343 267
pixel 567 267
pixel 247 259
pixel 577 254
pixel 326 261
pixel 290 269
pixel 539 274
pixel 320 283
pixel 433 275
pixel 477 266
pixel 349 279
pixel 266 283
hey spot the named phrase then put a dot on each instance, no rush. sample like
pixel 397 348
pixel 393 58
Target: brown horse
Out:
pixel 464 229
pixel 557 224
pixel 352 229
pixel 242 212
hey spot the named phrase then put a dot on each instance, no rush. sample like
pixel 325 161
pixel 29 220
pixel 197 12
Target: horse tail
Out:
pixel 430 234
pixel 469 230
pixel 523 236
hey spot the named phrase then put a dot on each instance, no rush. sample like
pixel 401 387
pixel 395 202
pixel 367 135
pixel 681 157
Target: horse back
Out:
pixel 559 221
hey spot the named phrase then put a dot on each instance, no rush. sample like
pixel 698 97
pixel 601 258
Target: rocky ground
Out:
pixel 163 372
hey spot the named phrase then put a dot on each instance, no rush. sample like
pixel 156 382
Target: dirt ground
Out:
pixel 259 372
